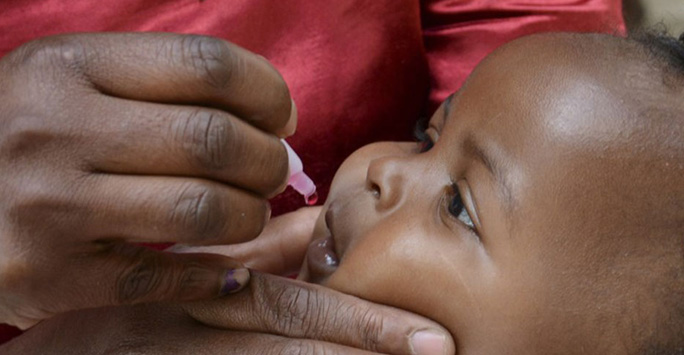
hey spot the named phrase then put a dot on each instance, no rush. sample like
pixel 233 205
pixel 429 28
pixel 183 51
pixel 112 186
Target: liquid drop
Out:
pixel 312 199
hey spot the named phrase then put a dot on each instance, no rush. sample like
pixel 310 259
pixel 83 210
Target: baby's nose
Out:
pixel 386 179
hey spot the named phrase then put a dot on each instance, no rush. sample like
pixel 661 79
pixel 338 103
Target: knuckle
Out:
pixel 292 306
pixel 306 312
pixel 139 281
pixel 198 211
pixel 35 206
pixel 24 135
pixel 212 59
pixel 55 51
pixel 371 329
pixel 298 310
pixel 209 139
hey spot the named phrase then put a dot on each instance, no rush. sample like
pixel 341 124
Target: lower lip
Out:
pixel 321 259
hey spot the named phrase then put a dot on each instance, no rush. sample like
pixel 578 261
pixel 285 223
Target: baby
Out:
pixel 542 211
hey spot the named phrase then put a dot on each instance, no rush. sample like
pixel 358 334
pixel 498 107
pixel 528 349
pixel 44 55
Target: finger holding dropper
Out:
pixel 298 179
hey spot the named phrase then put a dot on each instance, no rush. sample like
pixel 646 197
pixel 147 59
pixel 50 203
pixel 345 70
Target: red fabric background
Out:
pixel 359 70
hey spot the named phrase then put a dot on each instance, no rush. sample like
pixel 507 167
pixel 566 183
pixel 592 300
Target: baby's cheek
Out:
pixel 401 273
pixel 374 277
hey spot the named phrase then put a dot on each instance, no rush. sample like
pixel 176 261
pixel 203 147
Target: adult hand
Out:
pixel 279 249
pixel 272 315
pixel 113 139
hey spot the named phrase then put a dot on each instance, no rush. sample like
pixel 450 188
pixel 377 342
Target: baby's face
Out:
pixel 510 230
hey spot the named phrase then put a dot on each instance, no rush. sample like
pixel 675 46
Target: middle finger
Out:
pixel 157 139
pixel 158 209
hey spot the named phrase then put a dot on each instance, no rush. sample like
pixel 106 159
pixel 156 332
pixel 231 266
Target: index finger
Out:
pixel 276 305
pixel 175 68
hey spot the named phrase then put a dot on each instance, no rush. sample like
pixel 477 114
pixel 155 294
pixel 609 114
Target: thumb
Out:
pixel 137 275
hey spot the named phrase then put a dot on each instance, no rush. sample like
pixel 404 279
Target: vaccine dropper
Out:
pixel 298 179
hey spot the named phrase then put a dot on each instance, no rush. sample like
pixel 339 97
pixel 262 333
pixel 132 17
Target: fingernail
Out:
pixel 178 248
pixel 291 125
pixel 234 280
pixel 426 342
pixel 267 215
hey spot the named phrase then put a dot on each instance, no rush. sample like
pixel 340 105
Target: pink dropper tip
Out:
pixel 311 199
pixel 303 184
pixel 298 179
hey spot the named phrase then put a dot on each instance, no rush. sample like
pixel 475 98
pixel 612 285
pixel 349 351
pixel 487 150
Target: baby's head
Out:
pixel 547 218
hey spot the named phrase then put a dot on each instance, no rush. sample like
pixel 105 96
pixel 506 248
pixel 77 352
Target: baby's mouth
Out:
pixel 322 258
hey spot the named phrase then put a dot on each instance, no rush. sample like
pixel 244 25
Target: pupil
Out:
pixel 456 205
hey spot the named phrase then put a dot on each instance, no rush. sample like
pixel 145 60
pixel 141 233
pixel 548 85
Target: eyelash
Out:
pixel 456 206
pixel 458 210
pixel 423 139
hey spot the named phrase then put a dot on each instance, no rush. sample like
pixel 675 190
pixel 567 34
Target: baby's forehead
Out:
pixel 561 96
pixel 577 89
pixel 565 107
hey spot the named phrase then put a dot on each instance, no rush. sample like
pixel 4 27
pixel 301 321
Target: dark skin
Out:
pixel 570 190
pixel 272 315
pixel 114 139
pixel 574 266
pixel 109 140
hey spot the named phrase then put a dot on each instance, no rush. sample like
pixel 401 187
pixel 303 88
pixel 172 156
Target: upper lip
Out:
pixel 330 224
pixel 329 220
pixel 337 218
pixel 322 256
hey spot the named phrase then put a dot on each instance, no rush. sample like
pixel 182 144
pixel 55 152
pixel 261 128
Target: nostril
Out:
pixel 375 190
pixel 385 180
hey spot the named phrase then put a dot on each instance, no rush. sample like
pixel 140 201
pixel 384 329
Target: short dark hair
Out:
pixel 667 51
pixel 664 48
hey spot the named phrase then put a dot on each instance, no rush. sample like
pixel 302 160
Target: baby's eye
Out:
pixel 458 210
pixel 424 140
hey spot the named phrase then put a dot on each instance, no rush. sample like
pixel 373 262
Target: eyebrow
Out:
pixel 494 166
